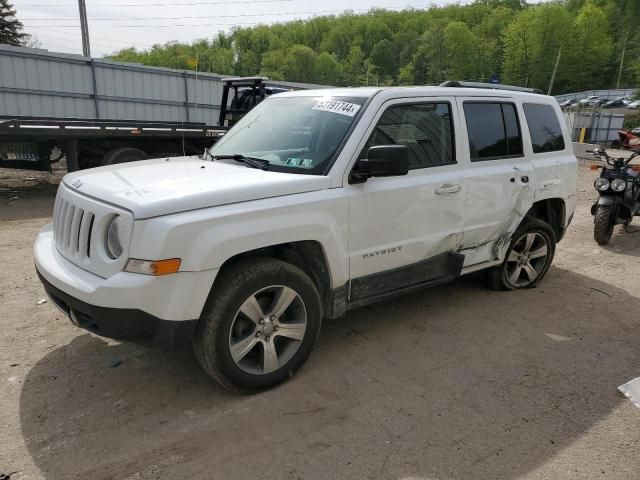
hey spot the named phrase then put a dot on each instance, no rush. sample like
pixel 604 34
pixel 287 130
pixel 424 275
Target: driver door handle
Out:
pixel 446 188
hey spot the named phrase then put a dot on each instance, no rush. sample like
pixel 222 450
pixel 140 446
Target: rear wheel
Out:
pixel 528 259
pixel 603 224
pixel 260 324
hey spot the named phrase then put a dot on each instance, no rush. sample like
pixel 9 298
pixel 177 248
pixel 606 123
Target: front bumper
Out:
pixel 125 305
pixel 121 323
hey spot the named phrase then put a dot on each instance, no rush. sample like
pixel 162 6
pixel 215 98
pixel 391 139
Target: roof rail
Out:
pixel 494 86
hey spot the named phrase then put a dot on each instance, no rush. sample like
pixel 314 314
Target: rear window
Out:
pixel 544 128
pixel 494 130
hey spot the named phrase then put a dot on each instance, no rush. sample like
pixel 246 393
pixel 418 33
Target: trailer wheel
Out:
pixel 123 155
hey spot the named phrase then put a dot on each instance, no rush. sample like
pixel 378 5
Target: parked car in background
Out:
pixel 634 105
pixel 588 101
pixel 616 103
pixel 568 103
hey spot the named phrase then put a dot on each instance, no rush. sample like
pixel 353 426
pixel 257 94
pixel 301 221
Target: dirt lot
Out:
pixel 457 382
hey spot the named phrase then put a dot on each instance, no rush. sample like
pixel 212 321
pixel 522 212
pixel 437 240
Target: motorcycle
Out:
pixel 628 139
pixel 619 189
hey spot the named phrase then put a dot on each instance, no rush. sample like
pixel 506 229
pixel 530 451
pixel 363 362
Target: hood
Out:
pixel 150 188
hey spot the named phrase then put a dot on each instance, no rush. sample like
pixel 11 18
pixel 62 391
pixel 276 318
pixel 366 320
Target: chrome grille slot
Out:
pixel 66 227
pixel 79 228
pixel 71 228
pixel 75 229
pixel 85 234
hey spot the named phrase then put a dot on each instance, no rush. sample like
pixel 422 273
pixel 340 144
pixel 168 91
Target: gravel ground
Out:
pixel 457 382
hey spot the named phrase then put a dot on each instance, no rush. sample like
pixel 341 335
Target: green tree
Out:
pixel 595 47
pixel 353 66
pixel 460 46
pixel 300 64
pixel 531 44
pixel 384 58
pixel 328 70
pixel 10 27
pixel 517 41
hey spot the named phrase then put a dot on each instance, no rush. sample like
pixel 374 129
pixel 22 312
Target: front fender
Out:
pixel 205 239
pixel 604 201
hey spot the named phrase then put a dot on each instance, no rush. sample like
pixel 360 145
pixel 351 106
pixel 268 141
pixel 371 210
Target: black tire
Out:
pixel 500 277
pixel 235 285
pixel 603 224
pixel 123 155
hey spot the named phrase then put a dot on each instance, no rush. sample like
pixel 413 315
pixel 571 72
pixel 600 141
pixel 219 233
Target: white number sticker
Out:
pixel 335 106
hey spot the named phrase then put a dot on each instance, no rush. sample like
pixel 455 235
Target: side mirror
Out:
pixel 382 161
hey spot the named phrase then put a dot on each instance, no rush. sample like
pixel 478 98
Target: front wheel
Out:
pixel 603 224
pixel 528 259
pixel 259 325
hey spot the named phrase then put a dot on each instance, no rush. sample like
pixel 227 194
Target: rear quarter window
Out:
pixel 544 128
pixel 493 130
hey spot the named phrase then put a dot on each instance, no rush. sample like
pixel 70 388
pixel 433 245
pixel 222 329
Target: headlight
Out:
pixel 601 184
pixel 618 185
pixel 115 237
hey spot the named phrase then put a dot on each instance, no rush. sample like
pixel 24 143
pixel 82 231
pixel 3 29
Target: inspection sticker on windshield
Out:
pixel 335 106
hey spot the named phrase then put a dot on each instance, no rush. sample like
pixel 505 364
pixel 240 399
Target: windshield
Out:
pixel 293 134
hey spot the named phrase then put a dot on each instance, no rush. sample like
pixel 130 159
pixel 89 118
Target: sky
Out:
pixel 117 24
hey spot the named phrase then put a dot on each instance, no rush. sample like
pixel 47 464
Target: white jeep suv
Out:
pixel 315 203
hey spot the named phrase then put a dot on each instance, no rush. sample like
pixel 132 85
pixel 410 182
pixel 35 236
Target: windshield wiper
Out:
pixel 254 162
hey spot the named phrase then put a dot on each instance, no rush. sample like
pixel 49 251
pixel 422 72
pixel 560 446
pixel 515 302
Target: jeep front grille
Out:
pixel 79 229
pixel 72 228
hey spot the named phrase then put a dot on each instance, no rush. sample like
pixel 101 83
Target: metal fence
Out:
pixel 599 126
pixel 39 83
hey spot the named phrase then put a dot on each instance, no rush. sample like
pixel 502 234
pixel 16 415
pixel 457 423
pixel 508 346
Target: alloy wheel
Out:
pixel 527 259
pixel 267 330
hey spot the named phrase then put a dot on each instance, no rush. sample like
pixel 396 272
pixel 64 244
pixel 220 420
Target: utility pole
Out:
pixel 84 29
pixel 624 49
pixel 555 70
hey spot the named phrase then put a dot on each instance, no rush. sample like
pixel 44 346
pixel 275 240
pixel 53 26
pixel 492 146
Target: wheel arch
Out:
pixel 308 255
pixel 553 211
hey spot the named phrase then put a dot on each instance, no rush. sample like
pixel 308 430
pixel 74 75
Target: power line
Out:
pixel 109 40
pixel 162 26
pixel 110 5
pixel 276 14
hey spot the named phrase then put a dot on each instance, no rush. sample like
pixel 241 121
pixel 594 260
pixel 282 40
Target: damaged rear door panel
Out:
pixel 499 176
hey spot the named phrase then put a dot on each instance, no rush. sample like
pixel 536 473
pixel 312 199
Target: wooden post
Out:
pixel 555 70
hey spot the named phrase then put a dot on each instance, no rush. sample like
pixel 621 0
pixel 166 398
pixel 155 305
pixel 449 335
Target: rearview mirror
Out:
pixel 383 161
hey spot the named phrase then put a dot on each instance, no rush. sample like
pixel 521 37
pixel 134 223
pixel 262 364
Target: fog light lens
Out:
pixel 153 267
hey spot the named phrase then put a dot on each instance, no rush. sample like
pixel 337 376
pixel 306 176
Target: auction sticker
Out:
pixel 336 106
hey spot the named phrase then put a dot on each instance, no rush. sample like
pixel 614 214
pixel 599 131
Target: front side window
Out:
pixel 544 128
pixel 293 134
pixel 494 130
pixel 425 128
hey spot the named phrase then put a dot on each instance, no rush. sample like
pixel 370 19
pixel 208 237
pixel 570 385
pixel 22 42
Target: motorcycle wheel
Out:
pixel 603 225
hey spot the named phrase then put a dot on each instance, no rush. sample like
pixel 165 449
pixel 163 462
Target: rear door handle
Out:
pixel 448 188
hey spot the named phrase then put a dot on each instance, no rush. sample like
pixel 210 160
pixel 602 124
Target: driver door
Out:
pixel 403 230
